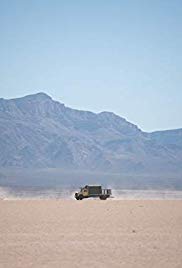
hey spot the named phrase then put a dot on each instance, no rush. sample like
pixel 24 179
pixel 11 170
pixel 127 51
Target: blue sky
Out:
pixel 119 56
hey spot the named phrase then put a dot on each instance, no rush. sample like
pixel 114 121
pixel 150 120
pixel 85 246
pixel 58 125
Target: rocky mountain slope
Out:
pixel 38 132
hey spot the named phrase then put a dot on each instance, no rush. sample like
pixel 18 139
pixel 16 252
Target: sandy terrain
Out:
pixel 90 233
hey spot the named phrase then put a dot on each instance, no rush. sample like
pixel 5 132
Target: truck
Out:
pixel 93 191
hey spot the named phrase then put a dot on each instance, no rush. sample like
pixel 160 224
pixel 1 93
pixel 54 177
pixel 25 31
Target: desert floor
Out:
pixel 90 233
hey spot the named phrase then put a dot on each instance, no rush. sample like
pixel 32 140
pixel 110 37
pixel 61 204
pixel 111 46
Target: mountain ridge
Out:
pixel 37 131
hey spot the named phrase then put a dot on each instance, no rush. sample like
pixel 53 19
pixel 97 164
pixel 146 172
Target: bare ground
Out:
pixel 91 233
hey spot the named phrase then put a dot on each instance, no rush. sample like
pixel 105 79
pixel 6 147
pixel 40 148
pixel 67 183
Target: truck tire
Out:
pixel 76 196
pixel 80 197
pixel 103 197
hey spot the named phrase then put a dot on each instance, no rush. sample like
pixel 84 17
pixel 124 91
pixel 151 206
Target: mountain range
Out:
pixel 39 132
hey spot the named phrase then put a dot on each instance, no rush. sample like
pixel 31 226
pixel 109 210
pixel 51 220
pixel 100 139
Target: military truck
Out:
pixel 93 191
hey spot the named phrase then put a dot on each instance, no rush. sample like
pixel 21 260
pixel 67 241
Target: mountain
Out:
pixel 38 132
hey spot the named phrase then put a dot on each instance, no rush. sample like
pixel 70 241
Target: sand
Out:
pixel 91 233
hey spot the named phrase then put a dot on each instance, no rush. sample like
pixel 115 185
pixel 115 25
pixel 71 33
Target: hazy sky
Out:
pixel 119 56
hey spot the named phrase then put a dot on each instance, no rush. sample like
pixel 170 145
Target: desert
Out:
pixel 90 233
pixel 91 134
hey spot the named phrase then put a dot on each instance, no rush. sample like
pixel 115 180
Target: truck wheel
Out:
pixel 103 197
pixel 76 196
pixel 81 197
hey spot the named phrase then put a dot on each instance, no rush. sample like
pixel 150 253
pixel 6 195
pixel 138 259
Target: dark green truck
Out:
pixel 93 191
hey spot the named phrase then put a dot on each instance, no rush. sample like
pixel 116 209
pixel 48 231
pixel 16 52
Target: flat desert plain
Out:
pixel 91 233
